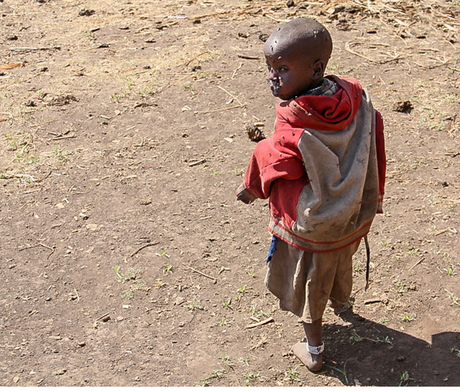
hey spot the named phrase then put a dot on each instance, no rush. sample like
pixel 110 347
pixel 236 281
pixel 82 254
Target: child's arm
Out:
pixel 268 163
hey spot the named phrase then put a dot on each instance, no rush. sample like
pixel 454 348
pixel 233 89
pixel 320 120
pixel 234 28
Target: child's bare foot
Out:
pixel 339 307
pixel 314 362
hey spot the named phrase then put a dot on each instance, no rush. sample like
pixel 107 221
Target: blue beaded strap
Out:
pixel 272 249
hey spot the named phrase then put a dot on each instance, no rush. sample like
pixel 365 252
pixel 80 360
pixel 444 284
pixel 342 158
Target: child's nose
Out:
pixel 272 75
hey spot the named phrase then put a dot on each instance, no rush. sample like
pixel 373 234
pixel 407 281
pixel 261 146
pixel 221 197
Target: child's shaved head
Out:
pixel 306 36
pixel 296 55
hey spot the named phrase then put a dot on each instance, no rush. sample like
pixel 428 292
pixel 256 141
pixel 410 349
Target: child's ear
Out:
pixel 318 70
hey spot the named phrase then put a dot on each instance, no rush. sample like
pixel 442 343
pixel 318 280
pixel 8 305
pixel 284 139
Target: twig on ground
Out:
pixel 76 294
pixel 393 9
pixel 441 231
pixel 48 247
pixel 417 263
pixel 139 249
pixel 236 70
pixel 197 17
pixel 36 245
pixel 265 321
pixel 246 57
pixel 11 66
pixel 262 341
pixel 276 20
pixel 53 249
pixel 217 110
pixel 193 164
pixel 230 94
pixel 223 269
pixel 102 317
pixel 64 137
pixel 194 58
pixel 28 49
pixel 28 176
pixel 203 274
pixel 348 49
pixel 373 301
pixel 442 63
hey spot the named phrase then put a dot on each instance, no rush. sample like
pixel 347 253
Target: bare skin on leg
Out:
pixel 314 334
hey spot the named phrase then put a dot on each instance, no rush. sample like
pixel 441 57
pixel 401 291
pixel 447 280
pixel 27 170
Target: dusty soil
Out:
pixel 125 258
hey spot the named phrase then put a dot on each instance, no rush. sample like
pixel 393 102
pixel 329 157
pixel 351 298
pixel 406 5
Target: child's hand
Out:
pixel 245 195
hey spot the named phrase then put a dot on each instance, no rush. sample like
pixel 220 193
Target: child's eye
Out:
pixel 282 68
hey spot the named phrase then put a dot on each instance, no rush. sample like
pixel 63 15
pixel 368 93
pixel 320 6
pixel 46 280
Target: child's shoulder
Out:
pixel 350 84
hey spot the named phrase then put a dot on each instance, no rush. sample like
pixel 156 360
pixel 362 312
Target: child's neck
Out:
pixel 312 91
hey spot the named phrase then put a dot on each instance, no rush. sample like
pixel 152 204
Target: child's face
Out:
pixel 290 74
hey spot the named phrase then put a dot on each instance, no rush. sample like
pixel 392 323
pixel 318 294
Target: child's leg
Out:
pixel 304 282
pixel 309 351
pixel 314 334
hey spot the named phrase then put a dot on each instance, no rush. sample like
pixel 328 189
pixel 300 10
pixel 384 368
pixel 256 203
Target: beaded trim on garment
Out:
pixel 327 87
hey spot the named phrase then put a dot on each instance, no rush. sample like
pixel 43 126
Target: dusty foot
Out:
pixel 314 362
pixel 339 307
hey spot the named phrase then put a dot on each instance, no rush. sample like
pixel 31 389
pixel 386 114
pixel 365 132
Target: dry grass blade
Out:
pixel 11 66
pixel 348 48
pixel 265 321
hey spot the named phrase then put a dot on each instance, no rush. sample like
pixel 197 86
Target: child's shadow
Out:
pixel 370 354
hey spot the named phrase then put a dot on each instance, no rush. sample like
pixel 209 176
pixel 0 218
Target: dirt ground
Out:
pixel 126 259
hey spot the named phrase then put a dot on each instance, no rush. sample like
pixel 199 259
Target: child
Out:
pixel 323 170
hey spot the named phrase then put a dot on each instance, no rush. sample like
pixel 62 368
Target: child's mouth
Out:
pixel 274 86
